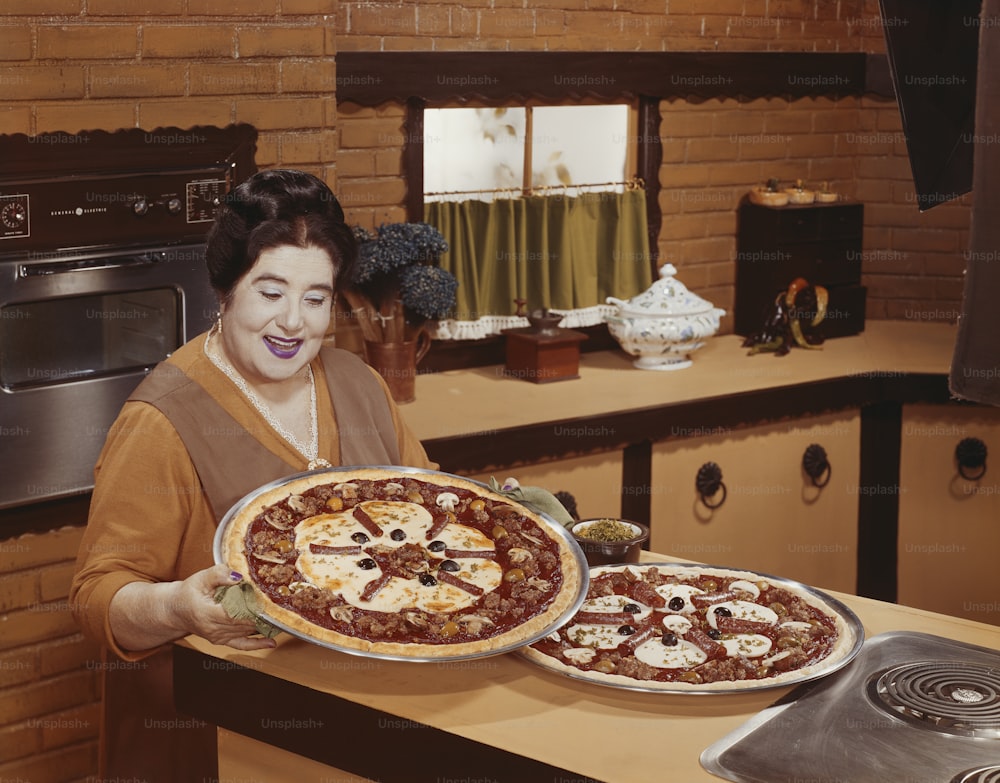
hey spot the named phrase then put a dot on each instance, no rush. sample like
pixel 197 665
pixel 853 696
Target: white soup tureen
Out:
pixel 664 324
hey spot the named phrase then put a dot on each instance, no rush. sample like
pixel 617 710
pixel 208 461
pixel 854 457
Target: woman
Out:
pixel 257 398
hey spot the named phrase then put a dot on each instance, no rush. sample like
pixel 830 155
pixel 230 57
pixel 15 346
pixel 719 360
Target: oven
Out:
pixel 102 276
pixel 910 707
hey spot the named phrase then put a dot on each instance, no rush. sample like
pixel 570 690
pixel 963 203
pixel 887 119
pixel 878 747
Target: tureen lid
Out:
pixel 666 296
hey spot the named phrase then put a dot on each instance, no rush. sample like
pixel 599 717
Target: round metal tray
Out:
pixel 341 472
pixel 831 605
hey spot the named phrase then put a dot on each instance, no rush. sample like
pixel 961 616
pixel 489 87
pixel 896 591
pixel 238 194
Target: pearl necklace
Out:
pixel 310 452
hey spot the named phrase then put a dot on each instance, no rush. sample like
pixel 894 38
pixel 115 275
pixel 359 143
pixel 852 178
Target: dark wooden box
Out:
pixel 820 242
pixel 543 357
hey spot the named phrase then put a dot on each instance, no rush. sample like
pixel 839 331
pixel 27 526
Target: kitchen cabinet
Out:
pixel 594 481
pixel 820 242
pixel 949 526
pixel 770 516
pixel 302 712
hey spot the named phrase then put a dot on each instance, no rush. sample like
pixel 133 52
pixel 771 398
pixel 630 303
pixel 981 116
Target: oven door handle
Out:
pixel 89 264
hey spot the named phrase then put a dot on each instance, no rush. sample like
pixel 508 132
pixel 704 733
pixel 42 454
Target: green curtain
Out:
pixel 554 251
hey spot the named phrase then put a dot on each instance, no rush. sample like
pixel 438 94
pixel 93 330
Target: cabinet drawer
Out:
pixel 773 518
pixel 801 223
pixel 949 526
pixel 831 262
pixel 595 481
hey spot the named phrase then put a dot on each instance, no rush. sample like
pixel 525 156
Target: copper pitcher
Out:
pixel 396 362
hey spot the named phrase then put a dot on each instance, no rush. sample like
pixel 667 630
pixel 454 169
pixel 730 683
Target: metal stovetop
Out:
pixel 911 708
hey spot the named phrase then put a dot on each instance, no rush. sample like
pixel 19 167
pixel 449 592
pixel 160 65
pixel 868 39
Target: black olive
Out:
pixel 631 609
pixel 437 546
pixel 427 580
pixel 359 538
pixel 366 564
pixel 723 611
pixel 398 534
pixel 450 565
pixel 626 630
pixel 676 604
pixel 714 633
pixel 669 640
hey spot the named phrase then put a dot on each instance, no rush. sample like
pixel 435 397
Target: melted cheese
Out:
pixel 611 604
pixel 340 573
pixel 742 610
pixel 749 645
pixel 677 624
pixel 678 656
pixel 597 637
pixel 679 591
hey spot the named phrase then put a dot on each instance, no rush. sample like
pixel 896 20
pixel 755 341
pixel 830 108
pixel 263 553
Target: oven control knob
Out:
pixel 140 206
pixel 13 215
pixel 174 206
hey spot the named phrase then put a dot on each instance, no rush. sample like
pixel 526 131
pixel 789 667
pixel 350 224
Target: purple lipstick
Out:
pixel 282 348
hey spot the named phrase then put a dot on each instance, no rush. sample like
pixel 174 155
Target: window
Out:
pixel 485 152
pixel 538 211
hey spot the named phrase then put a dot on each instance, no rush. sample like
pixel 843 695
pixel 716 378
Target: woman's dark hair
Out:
pixel 274 208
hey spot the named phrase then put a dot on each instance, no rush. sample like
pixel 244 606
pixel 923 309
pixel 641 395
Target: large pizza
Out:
pixel 401 562
pixel 680 628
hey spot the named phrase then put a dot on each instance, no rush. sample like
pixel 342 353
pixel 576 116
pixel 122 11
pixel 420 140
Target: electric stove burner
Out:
pixel 945 696
pixel 988 774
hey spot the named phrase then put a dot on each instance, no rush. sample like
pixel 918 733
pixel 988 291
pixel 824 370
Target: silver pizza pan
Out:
pixel 828 603
pixel 580 561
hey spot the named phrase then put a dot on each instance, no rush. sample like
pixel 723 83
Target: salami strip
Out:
pixel 704 600
pixel 709 646
pixel 372 588
pixel 439 524
pixel 736 625
pixel 366 521
pixel 644 593
pixel 486 554
pixel 644 635
pixel 454 581
pixel 322 549
pixel 604 618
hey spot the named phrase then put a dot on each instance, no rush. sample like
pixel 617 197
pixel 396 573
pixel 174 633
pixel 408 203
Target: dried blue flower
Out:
pixel 398 260
pixel 428 291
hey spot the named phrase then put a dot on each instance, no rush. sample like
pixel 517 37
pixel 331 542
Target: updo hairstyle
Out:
pixel 274 208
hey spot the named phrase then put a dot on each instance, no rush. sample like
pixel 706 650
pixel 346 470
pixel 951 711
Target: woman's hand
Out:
pixel 145 615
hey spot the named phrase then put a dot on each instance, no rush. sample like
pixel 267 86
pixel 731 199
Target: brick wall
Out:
pixel 48 673
pixel 75 65
pixel 714 151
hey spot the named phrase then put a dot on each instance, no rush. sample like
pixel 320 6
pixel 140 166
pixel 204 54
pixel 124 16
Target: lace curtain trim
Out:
pixel 490 325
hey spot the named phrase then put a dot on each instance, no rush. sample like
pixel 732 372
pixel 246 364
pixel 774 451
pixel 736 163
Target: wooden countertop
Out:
pixel 506 703
pixel 482 400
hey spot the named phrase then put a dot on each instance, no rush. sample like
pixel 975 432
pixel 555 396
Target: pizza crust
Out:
pixel 231 550
pixel 849 637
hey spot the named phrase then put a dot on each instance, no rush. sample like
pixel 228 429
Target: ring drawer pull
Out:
pixel 970 454
pixel 816 465
pixel 709 482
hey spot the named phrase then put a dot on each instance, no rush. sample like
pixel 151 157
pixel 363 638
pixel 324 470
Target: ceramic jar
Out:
pixel 665 324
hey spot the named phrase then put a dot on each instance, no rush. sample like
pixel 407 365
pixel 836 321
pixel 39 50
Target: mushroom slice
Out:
pixel 416 619
pixel 537 583
pixel 518 554
pixel 270 557
pixel 532 539
pixel 344 613
pixel 447 501
pixel 277 524
pixel 297 503
pixel 393 488
pixel 474 623
pixel 346 489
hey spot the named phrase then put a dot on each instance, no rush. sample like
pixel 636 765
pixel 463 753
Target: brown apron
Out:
pixel 142 735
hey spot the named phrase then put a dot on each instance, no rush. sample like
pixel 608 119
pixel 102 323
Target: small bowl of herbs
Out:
pixel 605 540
